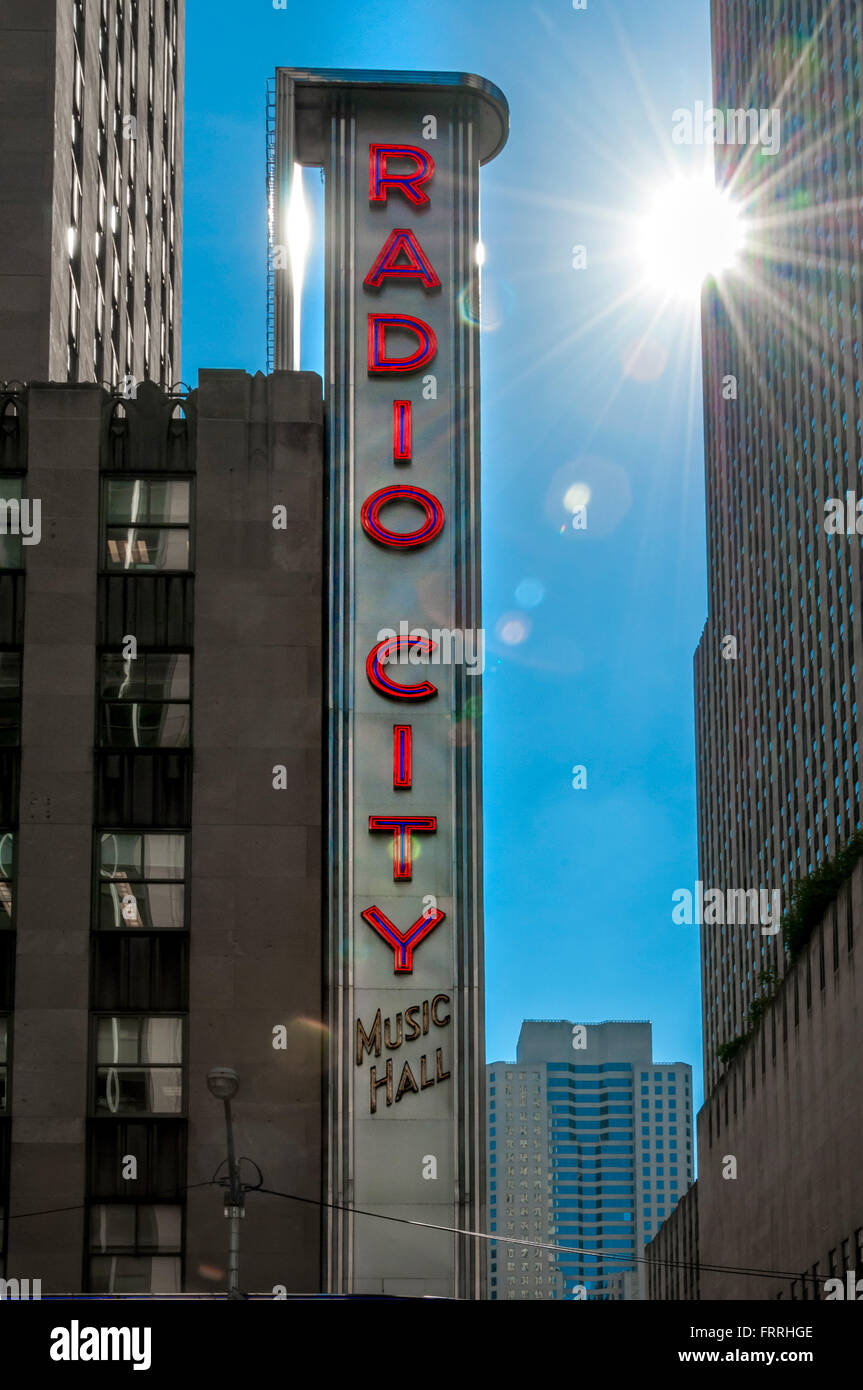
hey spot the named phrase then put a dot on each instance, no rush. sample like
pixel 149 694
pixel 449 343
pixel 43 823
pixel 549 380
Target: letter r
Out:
pixel 380 181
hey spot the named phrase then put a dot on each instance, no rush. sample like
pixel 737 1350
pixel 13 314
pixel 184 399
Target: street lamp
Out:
pixel 223 1083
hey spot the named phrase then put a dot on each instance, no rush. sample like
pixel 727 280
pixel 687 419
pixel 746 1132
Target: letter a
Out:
pixel 402 258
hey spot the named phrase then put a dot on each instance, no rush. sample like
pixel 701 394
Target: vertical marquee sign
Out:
pixel 401 155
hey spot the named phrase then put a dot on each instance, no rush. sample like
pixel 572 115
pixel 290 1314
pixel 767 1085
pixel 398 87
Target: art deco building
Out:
pixel 777 719
pixel 91 100
pixel 160 842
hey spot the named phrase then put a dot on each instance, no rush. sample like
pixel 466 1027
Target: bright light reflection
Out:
pixel 691 230
pixel 299 229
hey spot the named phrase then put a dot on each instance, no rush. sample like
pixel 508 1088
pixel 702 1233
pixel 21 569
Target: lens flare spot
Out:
pixel 486 309
pixel 577 495
pixel 644 360
pixel 314 1024
pixel 530 593
pixel 513 628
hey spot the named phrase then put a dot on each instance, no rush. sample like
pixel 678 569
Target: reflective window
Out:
pixel 140 881
pixel 7 872
pixel 131 1248
pixel 138 1065
pixel 147 524
pixel 144 703
pixel 14 520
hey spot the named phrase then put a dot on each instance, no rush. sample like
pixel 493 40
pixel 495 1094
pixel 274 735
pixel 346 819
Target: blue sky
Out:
pixel 578 883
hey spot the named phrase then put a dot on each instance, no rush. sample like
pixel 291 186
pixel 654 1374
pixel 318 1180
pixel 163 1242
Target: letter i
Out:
pixel 401 755
pixel 401 431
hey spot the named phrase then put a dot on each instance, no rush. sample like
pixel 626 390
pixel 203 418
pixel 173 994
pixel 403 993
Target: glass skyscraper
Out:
pixel 590 1148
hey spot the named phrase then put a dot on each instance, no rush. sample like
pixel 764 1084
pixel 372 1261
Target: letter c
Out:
pixel 381 681
pixel 439 999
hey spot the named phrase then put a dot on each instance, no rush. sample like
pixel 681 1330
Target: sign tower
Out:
pixel 404 970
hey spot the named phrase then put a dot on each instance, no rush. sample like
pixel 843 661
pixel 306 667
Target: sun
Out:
pixel 691 230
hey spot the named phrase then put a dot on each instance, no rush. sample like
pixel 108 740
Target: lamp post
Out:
pixel 223 1083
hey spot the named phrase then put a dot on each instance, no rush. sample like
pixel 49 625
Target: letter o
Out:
pixel 402 492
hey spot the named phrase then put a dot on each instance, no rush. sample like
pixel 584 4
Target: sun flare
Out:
pixel 691 230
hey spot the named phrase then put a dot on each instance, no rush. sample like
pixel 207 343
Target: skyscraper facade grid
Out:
pixel 777 669
pixel 91 145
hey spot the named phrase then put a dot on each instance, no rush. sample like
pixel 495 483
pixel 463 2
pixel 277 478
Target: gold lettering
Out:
pixel 366 1041
pixel 384 1081
pixel 439 999
pixel 407 1081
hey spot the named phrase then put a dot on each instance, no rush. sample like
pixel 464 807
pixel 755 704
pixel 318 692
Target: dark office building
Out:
pixel 91 100
pixel 160 776
pixel 778 668
pixel 778 726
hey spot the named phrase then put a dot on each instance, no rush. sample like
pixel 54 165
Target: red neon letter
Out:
pixel 422 353
pixel 375 668
pixel 402 828
pixel 402 741
pixel 380 182
pixel 403 943
pixel 415 265
pixel 402 492
pixel 401 431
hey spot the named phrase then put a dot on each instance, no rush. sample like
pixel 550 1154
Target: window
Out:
pixel 146 524
pixel 4 1046
pixel 144 703
pixel 10 699
pixel 139 1065
pixel 7 870
pixel 14 524
pixel 135 1248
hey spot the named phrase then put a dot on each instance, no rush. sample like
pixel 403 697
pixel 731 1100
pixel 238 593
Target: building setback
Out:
pixel 779 1138
pixel 91 153
pixel 590 1147
pixel 161 650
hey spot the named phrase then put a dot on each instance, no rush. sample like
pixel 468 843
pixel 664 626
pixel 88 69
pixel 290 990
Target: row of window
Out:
pixel 140 880
pixel 140 945
pixel 145 524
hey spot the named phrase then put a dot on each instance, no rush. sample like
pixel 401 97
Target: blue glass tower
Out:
pixel 590 1148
